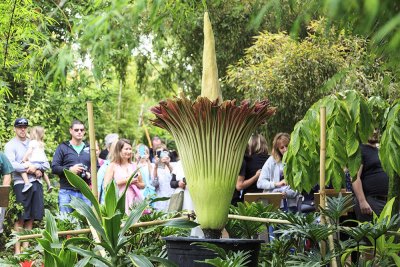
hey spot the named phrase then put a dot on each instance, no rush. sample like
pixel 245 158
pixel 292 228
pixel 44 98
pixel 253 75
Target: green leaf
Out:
pixel 85 210
pixel 68 258
pixel 80 184
pixel 164 262
pixel 218 250
pixel 98 263
pixel 76 241
pixel 183 224
pixel 110 199
pixel 352 144
pixel 354 163
pixel 51 226
pixel 83 262
pixel 112 227
pixel 133 217
pixel 139 260
pixel 90 254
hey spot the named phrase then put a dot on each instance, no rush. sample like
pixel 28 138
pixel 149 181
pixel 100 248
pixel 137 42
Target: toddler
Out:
pixel 35 154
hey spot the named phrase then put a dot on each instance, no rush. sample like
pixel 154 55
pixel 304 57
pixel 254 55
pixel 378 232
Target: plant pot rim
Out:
pixel 220 240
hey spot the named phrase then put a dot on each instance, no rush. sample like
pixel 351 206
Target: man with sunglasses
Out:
pixel 32 200
pixel 72 155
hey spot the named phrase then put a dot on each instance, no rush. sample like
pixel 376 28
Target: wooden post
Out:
pixel 322 192
pixel 141 123
pixel 93 157
pixel 148 136
pixel 93 167
pixel 322 157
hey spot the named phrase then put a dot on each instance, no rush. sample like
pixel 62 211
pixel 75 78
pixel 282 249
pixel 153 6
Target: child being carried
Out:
pixel 35 154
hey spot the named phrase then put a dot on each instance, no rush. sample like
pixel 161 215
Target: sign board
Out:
pixel 267 198
pixel 4 195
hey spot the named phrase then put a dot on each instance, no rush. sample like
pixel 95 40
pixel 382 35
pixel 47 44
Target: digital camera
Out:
pixel 83 173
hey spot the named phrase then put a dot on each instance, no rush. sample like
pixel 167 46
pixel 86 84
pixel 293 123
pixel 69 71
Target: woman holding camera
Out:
pixel 120 170
pixel 144 167
pixel 163 172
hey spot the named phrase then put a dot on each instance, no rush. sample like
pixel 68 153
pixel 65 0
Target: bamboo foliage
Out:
pixel 391 141
pixel 349 123
pixel 390 147
pixel 211 139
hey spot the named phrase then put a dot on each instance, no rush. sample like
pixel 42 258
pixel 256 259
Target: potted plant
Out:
pixel 211 136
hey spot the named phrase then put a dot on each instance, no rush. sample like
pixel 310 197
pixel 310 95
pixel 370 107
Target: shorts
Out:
pixel 32 201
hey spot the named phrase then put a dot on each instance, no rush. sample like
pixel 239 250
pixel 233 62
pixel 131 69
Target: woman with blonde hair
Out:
pixel 271 177
pixel 120 170
pixel 255 156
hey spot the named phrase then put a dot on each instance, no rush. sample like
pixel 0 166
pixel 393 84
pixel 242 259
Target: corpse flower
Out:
pixel 211 136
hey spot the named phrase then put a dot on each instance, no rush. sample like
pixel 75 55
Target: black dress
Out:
pixel 250 165
pixel 374 180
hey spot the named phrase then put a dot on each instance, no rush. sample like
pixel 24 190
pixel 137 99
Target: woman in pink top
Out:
pixel 120 169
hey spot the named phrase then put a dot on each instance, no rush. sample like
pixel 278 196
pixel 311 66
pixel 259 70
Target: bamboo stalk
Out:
pixel 86 230
pixel 257 219
pixel 322 157
pixel 322 184
pixel 147 136
pixel 93 157
pixel 96 238
pixel 158 222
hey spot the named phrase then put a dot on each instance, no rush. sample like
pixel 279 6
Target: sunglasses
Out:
pixel 79 130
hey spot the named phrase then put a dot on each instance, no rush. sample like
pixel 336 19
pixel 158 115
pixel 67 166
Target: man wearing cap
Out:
pixel 72 155
pixel 32 200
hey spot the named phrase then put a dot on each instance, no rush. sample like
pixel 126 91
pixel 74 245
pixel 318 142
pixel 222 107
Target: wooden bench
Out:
pixel 4 195
pixel 266 198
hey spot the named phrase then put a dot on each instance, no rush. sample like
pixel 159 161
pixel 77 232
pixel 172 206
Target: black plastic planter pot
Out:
pixel 181 252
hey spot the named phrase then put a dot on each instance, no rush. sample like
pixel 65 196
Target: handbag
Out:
pixel 176 201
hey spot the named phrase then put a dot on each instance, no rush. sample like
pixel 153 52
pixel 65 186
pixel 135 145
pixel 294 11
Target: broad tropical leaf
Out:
pixel 77 182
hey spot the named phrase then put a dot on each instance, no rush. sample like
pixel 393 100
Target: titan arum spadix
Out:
pixel 211 137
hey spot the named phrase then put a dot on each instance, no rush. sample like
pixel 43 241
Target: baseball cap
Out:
pixel 21 122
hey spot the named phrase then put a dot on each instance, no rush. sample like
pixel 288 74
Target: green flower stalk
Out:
pixel 211 137
pixel 210 87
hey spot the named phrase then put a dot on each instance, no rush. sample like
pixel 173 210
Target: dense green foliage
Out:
pixel 294 74
pixel 122 53
pixel 348 123
pixel 390 147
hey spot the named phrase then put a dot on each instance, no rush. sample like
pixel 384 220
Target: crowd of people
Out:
pixel 155 172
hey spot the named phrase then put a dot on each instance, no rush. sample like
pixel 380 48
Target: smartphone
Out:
pixel 158 152
pixel 142 151
pixel 164 154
